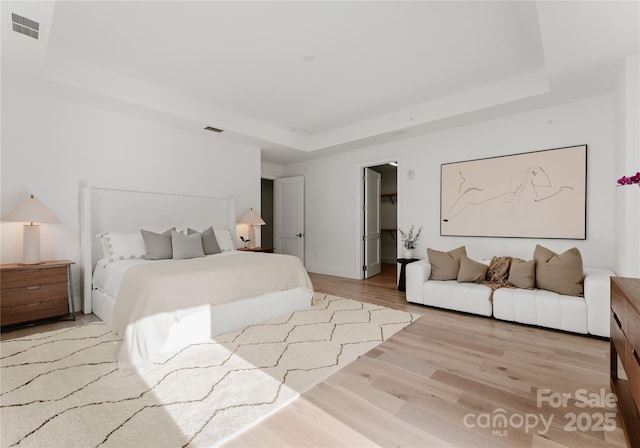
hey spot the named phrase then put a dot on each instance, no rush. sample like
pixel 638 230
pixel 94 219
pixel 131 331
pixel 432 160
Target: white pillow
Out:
pixel 225 241
pixel 121 246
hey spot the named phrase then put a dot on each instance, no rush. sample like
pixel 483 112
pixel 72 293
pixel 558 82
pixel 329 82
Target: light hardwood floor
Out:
pixel 433 383
pixel 415 389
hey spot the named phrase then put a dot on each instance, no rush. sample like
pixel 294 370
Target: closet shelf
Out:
pixel 390 196
pixel 391 231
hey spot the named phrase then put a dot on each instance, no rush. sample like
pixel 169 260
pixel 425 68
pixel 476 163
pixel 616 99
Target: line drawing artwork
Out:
pixel 532 185
pixel 538 194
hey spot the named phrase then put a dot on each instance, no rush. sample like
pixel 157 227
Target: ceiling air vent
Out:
pixel 212 129
pixel 25 26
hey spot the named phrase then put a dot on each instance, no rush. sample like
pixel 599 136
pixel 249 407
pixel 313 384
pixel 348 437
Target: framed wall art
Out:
pixel 539 194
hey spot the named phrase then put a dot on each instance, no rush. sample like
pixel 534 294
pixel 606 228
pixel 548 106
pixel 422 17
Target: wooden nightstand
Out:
pixel 33 292
pixel 266 249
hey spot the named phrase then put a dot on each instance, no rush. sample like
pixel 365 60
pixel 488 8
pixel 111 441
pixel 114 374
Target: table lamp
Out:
pixel 252 219
pixel 30 211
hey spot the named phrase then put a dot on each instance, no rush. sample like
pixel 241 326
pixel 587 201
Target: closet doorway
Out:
pixel 379 221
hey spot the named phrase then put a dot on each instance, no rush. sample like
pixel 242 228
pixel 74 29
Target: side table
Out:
pixel 266 249
pixel 402 281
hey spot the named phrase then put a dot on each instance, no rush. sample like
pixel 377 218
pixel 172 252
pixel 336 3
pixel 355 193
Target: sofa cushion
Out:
pixel 562 273
pixel 445 265
pixel 542 308
pixel 466 297
pixel 471 270
pixel 522 274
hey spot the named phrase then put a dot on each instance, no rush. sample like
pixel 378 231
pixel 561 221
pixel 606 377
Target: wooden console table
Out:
pixel 625 346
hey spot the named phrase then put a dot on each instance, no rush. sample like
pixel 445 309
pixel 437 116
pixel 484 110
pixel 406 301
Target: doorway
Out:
pixel 387 221
pixel 266 209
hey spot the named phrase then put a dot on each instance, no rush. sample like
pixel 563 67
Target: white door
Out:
pixel 289 216
pixel 372 256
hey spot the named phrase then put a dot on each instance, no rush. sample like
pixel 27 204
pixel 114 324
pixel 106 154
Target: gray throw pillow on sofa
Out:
pixel 445 265
pixel 157 245
pixel 522 274
pixel 471 271
pixel 209 242
pixel 186 246
pixel 562 273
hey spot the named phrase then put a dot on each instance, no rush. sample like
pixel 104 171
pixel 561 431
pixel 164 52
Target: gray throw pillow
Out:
pixel 522 274
pixel 209 242
pixel 445 265
pixel 186 246
pixel 562 273
pixel 157 245
pixel 471 271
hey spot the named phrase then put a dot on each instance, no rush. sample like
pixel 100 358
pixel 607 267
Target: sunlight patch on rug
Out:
pixel 63 388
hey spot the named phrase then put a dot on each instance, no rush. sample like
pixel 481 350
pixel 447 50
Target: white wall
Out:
pixel 50 147
pixel 333 192
pixel 271 171
pixel 627 198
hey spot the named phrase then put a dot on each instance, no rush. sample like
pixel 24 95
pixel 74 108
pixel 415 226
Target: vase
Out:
pixel 407 253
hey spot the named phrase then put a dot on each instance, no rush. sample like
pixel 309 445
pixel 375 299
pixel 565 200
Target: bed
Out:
pixel 158 316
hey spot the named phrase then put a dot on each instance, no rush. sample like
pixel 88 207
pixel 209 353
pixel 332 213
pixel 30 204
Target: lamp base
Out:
pixel 31 244
pixel 252 237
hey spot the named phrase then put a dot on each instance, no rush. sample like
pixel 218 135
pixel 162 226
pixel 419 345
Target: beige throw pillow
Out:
pixel 445 265
pixel 471 271
pixel 522 274
pixel 562 273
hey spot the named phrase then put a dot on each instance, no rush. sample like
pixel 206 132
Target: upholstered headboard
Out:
pixel 109 210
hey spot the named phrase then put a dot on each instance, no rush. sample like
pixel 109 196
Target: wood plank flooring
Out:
pixel 417 388
pixel 439 382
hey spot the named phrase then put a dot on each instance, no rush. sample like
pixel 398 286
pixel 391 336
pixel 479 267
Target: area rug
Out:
pixel 63 388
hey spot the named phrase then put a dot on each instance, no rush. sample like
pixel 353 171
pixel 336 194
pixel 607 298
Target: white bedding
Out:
pixel 157 295
pixel 107 277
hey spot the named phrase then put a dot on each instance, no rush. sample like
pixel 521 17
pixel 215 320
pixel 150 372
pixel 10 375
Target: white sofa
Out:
pixel 588 315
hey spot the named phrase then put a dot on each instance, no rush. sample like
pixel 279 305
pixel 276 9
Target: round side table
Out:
pixel 402 281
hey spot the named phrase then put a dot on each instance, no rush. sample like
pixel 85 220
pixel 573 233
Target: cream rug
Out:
pixel 63 389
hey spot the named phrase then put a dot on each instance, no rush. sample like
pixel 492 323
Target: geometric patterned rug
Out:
pixel 63 388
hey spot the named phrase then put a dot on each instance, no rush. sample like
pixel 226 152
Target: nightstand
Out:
pixel 33 292
pixel 266 249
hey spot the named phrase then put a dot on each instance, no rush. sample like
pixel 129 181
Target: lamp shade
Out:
pixel 252 218
pixel 31 211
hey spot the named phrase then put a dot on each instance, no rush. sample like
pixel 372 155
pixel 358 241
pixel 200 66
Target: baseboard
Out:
pixel 327 270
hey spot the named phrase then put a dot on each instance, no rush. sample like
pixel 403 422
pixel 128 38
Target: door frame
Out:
pixel 359 206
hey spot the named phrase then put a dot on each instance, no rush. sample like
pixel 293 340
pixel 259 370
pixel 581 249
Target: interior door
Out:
pixel 289 216
pixel 371 236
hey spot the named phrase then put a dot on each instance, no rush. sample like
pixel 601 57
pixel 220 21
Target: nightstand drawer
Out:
pixel 33 293
pixel 34 311
pixel 32 277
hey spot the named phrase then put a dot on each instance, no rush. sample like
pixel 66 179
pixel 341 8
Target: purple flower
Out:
pixel 624 180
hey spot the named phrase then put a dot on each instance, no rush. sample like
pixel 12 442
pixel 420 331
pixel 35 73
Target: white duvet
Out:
pixel 153 296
